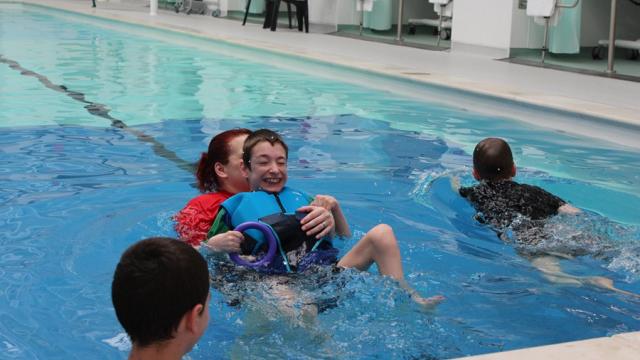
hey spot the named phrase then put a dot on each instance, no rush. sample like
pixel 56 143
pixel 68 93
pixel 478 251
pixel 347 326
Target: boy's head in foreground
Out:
pixel 160 293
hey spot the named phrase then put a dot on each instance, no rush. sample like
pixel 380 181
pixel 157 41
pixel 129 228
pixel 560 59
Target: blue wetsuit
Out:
pixel 296 251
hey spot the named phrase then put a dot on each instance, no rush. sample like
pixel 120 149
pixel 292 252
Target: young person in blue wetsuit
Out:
pixel 500 201
pixel 304 228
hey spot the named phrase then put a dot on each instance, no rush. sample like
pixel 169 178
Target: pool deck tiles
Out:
pixel 617 347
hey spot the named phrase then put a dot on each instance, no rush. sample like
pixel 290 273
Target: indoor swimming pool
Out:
pixel 100 123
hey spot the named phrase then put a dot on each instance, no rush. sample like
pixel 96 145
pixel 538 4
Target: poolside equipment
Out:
pixel 379 17
pixel 248 8
pixel 271 241
pixel 375 14
pixel 444 9
pixel 632 46
pixel 272 10
pixel 547 10
pixel 362 6
pixel 191 7
pixel 302 13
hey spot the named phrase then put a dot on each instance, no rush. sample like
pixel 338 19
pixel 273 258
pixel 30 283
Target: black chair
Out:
pixel 272 10
pixel 268 13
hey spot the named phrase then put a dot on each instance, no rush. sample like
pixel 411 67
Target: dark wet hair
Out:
pixel 218 152
pixel 257 137
pixel 157 281
pixel 493 160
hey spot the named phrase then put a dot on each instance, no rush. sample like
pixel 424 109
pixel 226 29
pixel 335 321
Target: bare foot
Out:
pixel 606 283
pixel 428 303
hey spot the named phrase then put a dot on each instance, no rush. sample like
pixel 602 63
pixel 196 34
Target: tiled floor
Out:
pixel 617 347
pixel 624 66
pixel 422 38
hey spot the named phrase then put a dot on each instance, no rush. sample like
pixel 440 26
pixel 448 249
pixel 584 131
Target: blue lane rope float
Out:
pixel 271 242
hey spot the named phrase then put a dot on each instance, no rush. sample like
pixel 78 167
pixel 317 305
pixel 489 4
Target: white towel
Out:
pixel 442 2
pixel 541 7
pixel 364 5
pixel 553 19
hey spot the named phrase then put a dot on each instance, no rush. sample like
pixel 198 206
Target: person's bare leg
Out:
pixel 550 268
pixel 287 299
pixel 379 245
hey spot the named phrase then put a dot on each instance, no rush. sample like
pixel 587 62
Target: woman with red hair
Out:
pixel 219 178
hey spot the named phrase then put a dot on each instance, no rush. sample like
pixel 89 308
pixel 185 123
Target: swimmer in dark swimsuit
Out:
pixel 505 205
pixel 497 198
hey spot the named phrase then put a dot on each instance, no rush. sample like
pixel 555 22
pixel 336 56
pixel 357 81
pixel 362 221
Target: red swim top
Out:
pixel 194 221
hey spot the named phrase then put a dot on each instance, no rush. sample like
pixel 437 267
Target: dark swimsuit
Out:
pixel 500 203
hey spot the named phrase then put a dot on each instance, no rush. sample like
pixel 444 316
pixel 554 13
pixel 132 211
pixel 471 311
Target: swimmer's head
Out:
pixel 159 285
pixel 493 160
pixel 219 168
pixel 265 157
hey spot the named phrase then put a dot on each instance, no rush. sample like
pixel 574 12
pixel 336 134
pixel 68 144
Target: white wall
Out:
pixel 236 5
pixel 482 24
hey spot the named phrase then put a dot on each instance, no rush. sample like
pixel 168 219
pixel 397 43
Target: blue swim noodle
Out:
pixel 271 242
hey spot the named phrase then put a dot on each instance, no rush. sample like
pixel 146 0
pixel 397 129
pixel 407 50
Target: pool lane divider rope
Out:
pixel 101 110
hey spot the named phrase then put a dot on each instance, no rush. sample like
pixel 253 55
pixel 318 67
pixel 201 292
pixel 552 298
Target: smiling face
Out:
pixel 267 169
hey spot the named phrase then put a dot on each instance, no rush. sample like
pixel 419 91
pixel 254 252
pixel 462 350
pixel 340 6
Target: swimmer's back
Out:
pixel 500 202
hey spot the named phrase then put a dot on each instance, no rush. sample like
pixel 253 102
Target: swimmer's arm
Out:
pixel 455 183
pixel 220 240
pixel 226 242
pixel 568 209
pixel 330 203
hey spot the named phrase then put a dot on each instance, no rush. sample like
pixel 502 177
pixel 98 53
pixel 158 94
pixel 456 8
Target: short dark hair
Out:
pixel 157 281
pixel 493 160
pixel 218 151
pixel 257 137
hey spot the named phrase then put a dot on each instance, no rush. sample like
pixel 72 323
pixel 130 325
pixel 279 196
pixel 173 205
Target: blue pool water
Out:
pixel 76 191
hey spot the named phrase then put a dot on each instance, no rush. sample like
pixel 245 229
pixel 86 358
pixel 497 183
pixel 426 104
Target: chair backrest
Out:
pixel 543 8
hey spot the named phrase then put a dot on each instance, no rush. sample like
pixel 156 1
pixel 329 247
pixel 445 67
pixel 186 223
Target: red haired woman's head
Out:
pixel 218 152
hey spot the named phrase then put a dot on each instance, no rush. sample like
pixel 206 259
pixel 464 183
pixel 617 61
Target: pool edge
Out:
pixel 623 346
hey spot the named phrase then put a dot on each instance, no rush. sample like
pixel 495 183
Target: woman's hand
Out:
pixel 228 242
pixel 326 201
pixel 341 227
pixel 318 221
